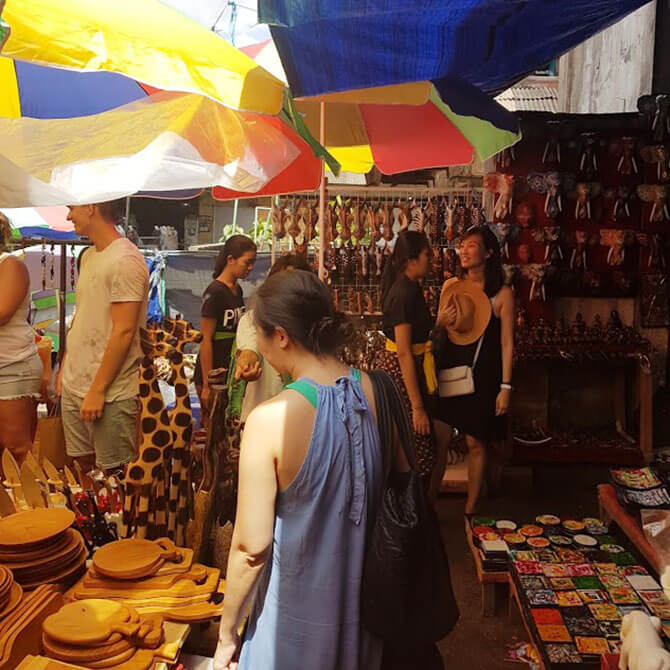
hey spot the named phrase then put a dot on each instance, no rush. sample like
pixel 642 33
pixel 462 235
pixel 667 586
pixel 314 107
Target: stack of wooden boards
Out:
pixel 39 547
pixel 99 633
pixel 21 619
pixel 153 577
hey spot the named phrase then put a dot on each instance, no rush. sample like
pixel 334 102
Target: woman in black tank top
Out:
pixel 479 416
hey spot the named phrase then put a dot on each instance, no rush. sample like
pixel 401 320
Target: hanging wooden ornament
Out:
pixel 43 261
pixel 52 269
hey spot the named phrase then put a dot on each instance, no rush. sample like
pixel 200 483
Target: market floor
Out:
pixel 477 642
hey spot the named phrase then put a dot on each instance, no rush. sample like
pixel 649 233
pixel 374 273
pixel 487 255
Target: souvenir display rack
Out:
pixel 572 582
pixel 361 225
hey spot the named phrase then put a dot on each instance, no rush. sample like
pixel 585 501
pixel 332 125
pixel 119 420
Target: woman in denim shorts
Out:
pixel 20 365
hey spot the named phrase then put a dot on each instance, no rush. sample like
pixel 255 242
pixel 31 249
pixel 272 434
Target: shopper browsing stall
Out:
pixel 407 324
pixel 100 373
pixel 222 308
pixel 20 365
pixel 477 315
pixel 299 540
pixel 262 380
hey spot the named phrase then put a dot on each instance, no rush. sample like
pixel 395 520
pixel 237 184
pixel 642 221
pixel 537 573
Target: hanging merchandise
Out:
pixel 361 228
pixel 43 263
pixel 73 266
pixel 52 269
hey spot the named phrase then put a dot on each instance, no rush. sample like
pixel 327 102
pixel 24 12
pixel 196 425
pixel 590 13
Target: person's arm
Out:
pixel 15 282
pixel 507 345
pixel 125 321
pixel 248 364
pixel 254 524
pixel 403 341
pixel 208 330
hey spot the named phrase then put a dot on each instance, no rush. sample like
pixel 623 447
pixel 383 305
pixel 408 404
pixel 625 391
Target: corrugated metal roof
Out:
pixel 534 94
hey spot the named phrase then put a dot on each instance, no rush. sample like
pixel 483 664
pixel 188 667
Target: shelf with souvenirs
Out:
pixel 130 551
pixel 572 580
pixel 581 216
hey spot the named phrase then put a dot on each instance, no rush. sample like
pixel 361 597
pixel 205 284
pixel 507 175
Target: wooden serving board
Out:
pixel 196 575
pixel 89 621
pixel 133 558
pixel 15 595
pixel 27 625
pixel 179 590
pixel 28 530
pixel 83 655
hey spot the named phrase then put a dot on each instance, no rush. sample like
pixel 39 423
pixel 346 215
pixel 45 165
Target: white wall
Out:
pixel 609 72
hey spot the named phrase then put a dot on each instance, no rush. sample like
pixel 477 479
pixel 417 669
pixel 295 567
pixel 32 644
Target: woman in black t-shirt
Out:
pixel 222 307
pixel 407 324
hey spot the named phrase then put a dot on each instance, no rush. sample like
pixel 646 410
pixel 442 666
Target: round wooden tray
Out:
pixel 85 622
pixel 44 550
pixel 27 529
pixel 133 558
pixel 55 563
pixel 60 576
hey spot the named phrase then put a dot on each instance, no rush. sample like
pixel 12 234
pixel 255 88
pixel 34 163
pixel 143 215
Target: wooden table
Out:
pixel 488 580
pixel 612 510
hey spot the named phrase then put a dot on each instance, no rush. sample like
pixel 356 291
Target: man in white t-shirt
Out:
pixel 100 373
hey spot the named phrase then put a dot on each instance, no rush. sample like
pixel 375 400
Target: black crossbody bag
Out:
pixel 406 592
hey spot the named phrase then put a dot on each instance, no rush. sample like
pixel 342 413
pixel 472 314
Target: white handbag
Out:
pixel 452 382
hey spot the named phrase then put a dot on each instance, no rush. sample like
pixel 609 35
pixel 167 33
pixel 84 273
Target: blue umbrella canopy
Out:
pixel 339 45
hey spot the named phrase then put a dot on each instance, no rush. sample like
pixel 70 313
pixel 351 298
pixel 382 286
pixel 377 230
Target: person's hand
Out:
pixel 92 405
pixel 227 652
pixel 421 421
pixel 502 402
pixel 248 366
pixel 450 313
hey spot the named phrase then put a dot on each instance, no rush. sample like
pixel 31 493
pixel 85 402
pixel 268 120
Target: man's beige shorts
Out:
pixel 112 437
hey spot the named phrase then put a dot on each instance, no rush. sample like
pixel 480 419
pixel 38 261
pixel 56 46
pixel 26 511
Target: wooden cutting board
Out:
pixel 26 639
pixel 133 558
pixel 198 574
pixel 60 555
pixel 15 595
pixel 7 505
pixel 27 529
pixel 84 654
pixel 89 621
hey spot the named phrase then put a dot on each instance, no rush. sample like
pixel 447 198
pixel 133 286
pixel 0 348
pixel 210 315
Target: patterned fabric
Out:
pixel 424 444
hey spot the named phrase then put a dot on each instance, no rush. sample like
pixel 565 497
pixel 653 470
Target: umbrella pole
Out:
pixel 322 194
pixel 62 302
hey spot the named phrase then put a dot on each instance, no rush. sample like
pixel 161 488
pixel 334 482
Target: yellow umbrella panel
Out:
pixel 142 39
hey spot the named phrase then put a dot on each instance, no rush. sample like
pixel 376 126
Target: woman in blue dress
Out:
pixel 310 475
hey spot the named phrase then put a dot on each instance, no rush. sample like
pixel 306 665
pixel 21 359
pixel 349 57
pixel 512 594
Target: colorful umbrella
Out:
pixel 408 127
pixel 339 45
pixel 46 222
pixel 110 135
pixel 146 41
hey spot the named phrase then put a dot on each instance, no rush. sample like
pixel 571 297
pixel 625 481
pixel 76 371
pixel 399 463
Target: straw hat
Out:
pixel 473 311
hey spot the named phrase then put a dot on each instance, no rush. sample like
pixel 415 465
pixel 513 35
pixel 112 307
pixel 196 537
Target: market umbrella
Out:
pixel 49 223
pixel 400 128
pixel 111 135
pixel 339 45
pixel 406 127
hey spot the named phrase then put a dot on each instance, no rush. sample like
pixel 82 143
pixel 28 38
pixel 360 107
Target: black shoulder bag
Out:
pixel 406 592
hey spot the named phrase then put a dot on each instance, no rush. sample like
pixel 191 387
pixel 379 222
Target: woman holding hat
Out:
pixel 475 362
pixel 407 324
